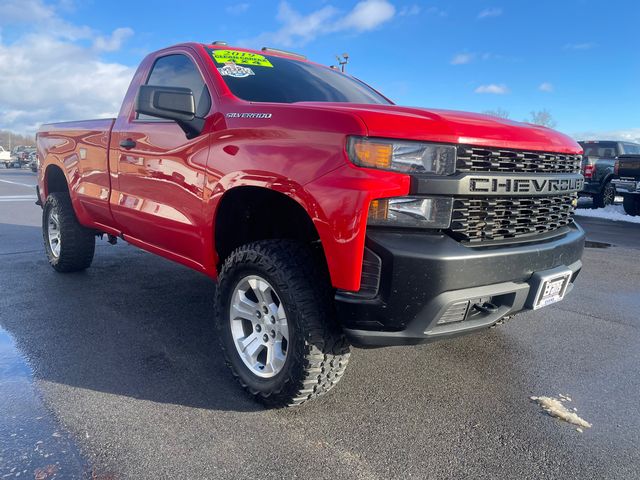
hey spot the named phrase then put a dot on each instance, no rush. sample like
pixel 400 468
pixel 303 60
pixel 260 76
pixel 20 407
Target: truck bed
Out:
pixel 81 150
pixel 629 166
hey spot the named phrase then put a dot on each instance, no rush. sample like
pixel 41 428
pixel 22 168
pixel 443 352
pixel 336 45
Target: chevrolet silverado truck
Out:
pixel 627 170
pixel 328 215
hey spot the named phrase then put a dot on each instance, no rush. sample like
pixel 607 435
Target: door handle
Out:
pixel 128 143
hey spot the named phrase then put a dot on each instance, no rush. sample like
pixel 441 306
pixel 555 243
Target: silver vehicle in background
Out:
pixel 5 157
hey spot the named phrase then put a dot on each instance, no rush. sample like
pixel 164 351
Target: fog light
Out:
pixel 417 212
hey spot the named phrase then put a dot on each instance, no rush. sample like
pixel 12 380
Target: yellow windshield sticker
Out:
pixel 240 58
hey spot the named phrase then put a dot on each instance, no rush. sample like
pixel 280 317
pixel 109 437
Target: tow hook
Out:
pixel 112 239
pixel 486 307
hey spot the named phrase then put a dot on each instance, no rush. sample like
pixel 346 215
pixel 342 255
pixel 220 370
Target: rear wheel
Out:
pixel 631 205
pixel 69 245
pixel 276 324
pixel 605 197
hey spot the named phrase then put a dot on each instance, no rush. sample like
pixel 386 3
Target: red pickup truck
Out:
pixel 328 215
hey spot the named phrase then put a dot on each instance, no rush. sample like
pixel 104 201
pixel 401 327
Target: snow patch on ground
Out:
pixel 555 407
pixel 611 212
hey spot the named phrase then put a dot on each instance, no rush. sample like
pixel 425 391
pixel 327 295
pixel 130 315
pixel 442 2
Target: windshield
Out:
pixel 599 149
pixel 267 78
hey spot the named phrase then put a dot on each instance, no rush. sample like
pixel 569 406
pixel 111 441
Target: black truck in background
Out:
pixel 598 162
pixel 627 183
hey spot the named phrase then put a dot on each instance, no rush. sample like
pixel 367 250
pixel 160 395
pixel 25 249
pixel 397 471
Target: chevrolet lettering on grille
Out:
pixel 525 185
pixel 500 184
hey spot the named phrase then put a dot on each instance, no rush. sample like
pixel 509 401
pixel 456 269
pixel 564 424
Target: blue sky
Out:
pixel 579 59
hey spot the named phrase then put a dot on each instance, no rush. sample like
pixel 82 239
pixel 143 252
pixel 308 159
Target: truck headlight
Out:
pixel 402 156
pixel 416 212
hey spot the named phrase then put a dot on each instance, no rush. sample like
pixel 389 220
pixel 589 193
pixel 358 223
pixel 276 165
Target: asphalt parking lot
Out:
pixel 124 379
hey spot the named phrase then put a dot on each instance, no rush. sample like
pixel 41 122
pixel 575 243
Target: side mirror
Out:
pixel 172 103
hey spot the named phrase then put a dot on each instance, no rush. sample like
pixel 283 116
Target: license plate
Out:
pixel 552 289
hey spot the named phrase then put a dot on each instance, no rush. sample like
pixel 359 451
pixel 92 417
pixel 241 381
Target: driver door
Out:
pixel 160 174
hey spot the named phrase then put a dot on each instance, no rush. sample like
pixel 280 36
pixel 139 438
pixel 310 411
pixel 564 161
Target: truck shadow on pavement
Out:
pixel 133 324
pixel 140 326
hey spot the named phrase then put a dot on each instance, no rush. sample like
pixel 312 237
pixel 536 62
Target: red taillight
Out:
pixel 587 171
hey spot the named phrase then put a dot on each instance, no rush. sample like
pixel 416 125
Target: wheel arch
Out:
pixel 246 214
pixel 54 180
pixel 606 179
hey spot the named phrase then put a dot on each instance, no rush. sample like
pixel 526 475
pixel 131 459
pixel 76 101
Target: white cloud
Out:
pixel 35 14
pixel 237 8
pixel 114 41
pixel 468 57
pixel 436 12
pixel 490 12
pixel 409 10
pixel 24 11
pixel 462 58
pixel 54 72
pixel 367 15
pixel 298 29
pixel 546 87
pixel 629 135
pixel 579 46
pixel 496 89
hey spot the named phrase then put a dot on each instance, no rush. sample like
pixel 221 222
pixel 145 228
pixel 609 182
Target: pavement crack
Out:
pixel 608 320
pixel 19 253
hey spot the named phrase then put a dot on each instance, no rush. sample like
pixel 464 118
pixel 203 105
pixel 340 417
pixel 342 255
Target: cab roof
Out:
pixel 219 45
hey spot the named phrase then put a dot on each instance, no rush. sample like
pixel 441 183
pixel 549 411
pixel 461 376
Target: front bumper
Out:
pixel 428 279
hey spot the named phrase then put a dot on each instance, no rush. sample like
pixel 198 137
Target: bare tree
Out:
pixel 541 117
pixel 498 112
pixel 9 139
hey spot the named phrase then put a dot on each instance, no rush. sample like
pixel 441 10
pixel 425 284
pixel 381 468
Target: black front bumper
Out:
pixel 427 279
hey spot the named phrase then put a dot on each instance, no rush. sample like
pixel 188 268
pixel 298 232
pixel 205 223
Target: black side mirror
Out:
pixel 172 103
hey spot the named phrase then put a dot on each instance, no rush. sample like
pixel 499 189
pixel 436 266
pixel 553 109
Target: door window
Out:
pixel 179 71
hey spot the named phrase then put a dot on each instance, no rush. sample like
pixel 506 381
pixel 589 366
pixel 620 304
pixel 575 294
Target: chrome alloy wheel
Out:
pixel 53 232
pixel 609 195
pixel 259 326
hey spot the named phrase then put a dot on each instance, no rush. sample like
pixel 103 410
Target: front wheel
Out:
pixel 276 323
pixel 69 245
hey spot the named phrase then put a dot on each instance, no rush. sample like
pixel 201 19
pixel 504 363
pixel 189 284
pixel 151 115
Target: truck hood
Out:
pixel 450 126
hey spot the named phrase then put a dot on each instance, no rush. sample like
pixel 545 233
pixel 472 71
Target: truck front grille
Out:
pixel 502 218
pixel 479 159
